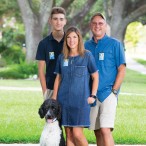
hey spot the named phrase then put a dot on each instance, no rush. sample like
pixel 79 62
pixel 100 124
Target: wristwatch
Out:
pixel 115 91
pixel 94 103
pixel 94 96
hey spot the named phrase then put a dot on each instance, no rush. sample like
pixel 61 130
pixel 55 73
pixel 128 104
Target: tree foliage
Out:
pixel 120 13
pixel 11 41
pixel 133 33
pixel 35 14
pixel 10 9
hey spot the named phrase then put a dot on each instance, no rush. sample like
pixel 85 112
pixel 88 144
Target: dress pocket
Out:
pixel 80 71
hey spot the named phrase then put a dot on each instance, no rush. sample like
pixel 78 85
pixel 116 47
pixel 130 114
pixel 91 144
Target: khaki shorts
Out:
pixel 48 94
pixel 103 114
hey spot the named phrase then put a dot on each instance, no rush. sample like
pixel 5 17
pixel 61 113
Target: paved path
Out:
pixel 38 145
pixel 133 65
pixel 20 88
pixel 40 90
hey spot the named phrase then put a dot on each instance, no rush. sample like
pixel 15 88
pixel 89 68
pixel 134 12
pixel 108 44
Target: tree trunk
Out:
pixel 34 22
pixel 78 19
pixel 123 13
pixel 33 37
pixel 117 26
pixel 118 32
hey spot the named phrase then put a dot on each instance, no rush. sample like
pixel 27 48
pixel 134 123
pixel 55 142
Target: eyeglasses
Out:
pixel 99 24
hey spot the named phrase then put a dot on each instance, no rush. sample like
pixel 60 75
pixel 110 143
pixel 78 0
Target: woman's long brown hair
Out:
pixel 66 49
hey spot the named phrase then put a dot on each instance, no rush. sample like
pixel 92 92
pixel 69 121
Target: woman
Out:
pixel 71 87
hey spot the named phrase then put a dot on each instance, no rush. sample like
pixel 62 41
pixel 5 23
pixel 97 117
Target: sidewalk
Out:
pixel 38 145
pixel 133 65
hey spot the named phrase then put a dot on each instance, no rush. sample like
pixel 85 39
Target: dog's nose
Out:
pixel 48 115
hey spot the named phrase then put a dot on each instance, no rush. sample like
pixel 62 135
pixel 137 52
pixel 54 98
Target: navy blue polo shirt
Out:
pixel 109 55
pixel 49 50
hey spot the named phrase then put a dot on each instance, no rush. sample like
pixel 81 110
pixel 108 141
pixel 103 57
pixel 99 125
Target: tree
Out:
pixel 9 8
pixel 120 13
pixel 11 33
pixel 35 14
pixel 78 18
pixel 35 17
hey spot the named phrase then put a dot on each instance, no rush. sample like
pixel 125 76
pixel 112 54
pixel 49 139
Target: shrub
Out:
pixel 2 62
pixel 13 55
pixel 19 71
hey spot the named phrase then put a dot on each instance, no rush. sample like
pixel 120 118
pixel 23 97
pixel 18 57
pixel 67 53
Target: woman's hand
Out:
pixel 91 100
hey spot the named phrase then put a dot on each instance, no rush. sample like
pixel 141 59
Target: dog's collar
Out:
pixel 54 120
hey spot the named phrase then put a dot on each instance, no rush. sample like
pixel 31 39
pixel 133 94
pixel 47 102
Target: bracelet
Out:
pixel 94 96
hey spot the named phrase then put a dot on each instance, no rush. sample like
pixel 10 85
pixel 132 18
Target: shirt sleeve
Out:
pixel 91 64
pixel 120 55
pixel 41 55
pixel 58 65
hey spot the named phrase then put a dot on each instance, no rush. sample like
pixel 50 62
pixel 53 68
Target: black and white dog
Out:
pixel 52 134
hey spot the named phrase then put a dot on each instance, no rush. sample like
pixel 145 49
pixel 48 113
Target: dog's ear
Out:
pixel 41 112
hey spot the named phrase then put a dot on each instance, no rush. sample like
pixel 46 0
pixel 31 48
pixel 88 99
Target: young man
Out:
pixel 49 49
pixel 110 60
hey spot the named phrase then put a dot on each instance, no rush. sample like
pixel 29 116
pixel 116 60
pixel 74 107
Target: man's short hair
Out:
pixel 57 10
pixel 98 14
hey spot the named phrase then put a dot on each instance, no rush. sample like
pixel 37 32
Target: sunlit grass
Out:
pixel 130 120
pixel 134 82
pixel 20 122
pixel 141 61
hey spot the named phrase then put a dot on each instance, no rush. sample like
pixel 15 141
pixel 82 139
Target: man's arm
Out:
pixel 120 76
pixel 56 86
pixel 95 78
pixel 41 68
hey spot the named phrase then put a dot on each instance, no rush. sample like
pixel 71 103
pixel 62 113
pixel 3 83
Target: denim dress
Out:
pixel 74 88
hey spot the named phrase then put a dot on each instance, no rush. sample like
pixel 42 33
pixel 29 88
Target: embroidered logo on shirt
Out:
pixel 51 55
pixel 101 56
pixel 65 63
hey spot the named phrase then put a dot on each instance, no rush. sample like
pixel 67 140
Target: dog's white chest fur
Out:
pixel 51 134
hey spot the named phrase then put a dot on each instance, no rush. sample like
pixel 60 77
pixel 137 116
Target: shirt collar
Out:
pixel 105 36
pixel 52 38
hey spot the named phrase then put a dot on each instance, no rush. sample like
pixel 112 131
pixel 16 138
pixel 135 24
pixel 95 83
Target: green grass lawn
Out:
pixel 20 122
pixel 134 83
pixel 141 61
